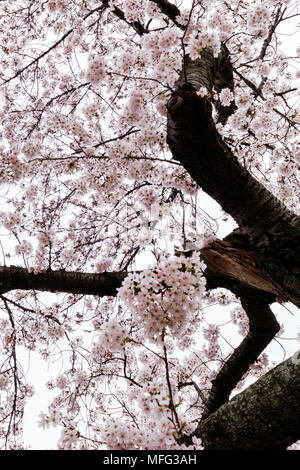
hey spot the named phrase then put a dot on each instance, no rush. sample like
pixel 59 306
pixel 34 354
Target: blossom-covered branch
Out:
pixel 226 266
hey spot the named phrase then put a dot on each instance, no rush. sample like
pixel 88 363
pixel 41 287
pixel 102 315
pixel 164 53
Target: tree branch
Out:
pixel 101 284
pixel 277 20
pixel 170 10
pixel 226 266
pixel 230 266
pixel 136 25
pixel 263 326
pixel 195 142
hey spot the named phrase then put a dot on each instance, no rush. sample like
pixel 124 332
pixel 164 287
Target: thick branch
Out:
pixel 102 284
pixel 226 267
pixel 263 326
pixel 136 25
pixel 170 10
pixel 265 416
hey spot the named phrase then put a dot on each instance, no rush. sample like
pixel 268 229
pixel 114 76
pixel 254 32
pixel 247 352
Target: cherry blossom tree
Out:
pixel 119 119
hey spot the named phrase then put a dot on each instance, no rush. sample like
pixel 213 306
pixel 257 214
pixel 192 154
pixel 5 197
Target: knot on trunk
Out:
pixel 174 103
pixel 187 107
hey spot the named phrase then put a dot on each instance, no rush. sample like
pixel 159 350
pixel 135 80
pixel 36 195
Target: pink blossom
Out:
pixel 202 92
pixel 226 96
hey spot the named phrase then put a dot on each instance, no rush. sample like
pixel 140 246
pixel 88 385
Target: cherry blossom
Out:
pixel 226 96
pixel 89 185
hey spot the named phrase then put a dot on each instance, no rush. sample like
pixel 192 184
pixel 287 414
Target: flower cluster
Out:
pixel 96 69
pixel 135 105
pixel 240 319
pixel 257 20
pixel 167 297
pixel 226 96
pixel 201 40
pixel 121 435
pixel 103 265
pixel 25 247
pixel 211 334
pixel 111 338
pixel 4 381
pixel 202 91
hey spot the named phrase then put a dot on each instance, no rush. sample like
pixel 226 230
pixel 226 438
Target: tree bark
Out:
pixel 195 142
pixel 265 416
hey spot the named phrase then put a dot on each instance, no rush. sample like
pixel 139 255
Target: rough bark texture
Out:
pixel 265 416
pixel 226 261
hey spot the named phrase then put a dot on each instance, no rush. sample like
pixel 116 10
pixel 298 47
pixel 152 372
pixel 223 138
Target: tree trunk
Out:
pixel 265 416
